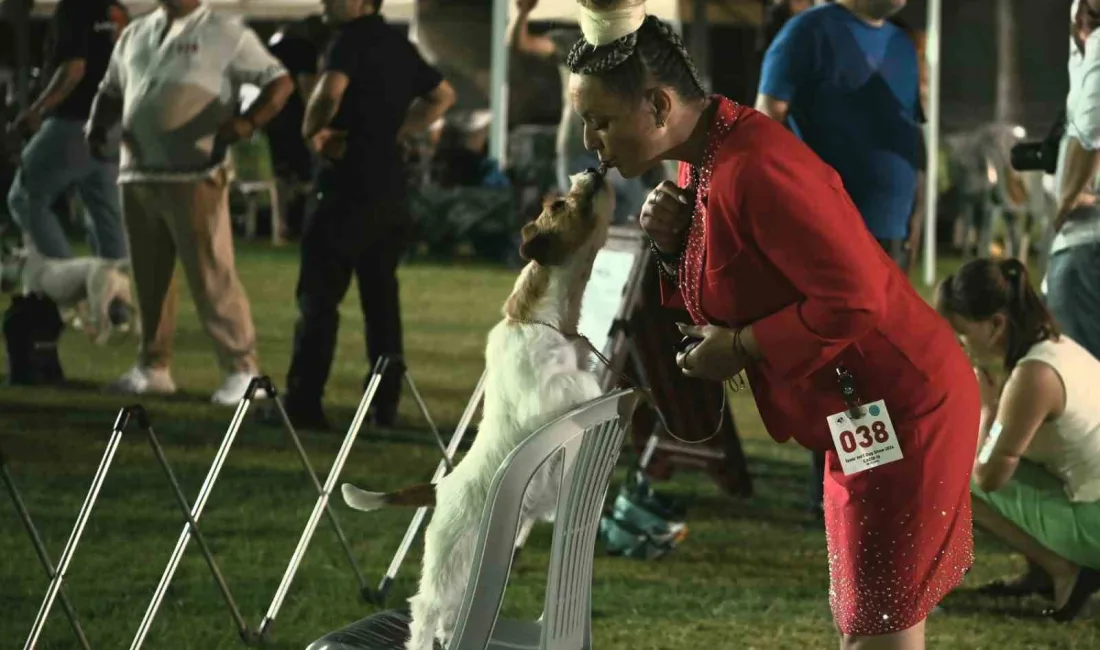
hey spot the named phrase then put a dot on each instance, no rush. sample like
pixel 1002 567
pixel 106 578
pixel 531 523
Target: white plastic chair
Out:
pixel 590 438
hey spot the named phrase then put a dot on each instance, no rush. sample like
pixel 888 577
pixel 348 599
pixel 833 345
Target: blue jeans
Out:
pixel 56 159
pixel 630 193
pixel 1073 293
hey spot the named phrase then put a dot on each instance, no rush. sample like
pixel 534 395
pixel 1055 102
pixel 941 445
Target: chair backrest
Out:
pixel 590 438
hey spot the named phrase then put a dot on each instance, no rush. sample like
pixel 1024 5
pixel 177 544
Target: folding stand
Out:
pixel 40 550
pixel 74 537
pixel 445 465
pixel 191 526
pixel 325 492
pixel 322 503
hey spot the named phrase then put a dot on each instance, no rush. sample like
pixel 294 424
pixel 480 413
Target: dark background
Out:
pixel 968 60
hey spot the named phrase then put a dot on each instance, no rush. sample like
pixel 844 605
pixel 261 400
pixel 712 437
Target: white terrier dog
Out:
pixel 87 285
pixel 537 370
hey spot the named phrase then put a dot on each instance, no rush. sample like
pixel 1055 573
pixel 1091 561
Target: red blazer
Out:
pixel 781 247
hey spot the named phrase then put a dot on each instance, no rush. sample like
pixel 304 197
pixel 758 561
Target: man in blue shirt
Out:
pixel 847 82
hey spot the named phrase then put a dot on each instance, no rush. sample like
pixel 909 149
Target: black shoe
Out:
pixel 1088 583
pixel 382 418
pixel 1016 589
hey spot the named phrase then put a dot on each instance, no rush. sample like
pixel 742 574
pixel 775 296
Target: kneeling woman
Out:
pixel 1036 482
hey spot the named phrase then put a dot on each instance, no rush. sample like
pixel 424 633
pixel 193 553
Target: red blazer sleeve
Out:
pixel 807 227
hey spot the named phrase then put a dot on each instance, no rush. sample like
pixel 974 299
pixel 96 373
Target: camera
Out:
pixel 1035 156
pixel 1040 155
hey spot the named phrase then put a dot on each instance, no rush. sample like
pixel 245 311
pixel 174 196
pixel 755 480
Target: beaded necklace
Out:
pixel 694 258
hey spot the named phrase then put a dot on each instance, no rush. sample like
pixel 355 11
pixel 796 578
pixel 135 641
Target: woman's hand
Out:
pixel 714 357
pixel 666 216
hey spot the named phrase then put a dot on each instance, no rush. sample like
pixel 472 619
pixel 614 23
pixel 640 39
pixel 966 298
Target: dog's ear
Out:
pixel 543 247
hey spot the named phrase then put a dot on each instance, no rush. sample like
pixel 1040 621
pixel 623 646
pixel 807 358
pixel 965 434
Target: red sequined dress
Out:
pixel 776 243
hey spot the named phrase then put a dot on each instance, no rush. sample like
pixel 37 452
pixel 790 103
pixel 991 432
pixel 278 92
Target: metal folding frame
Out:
pixel 325 492
pixel 77 531
pixel 322 505
pixel 378 597
pixel 40 550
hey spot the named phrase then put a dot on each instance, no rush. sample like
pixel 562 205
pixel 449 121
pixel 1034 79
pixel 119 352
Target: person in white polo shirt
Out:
pixel 174 81
pixel 1073 274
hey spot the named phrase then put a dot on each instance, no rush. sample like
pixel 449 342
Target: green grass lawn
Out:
pixel 752 573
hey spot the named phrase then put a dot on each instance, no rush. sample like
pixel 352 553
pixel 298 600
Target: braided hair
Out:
pixel 654 51
pixel 985 287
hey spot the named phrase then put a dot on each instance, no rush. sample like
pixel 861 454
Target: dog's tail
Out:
pixel 417 496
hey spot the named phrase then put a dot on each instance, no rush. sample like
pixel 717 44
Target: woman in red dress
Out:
pixel 761 244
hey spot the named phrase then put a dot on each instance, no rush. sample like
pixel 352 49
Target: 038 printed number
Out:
pixel 864 436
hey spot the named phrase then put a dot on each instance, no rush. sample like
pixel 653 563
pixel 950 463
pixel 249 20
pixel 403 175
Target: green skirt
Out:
pixel 1036 501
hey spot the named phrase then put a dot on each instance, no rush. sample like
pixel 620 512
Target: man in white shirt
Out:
pixel 1073 275
pixel 174 80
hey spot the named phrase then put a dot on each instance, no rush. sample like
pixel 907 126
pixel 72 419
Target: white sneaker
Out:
pixel 234 387
pixel 144 381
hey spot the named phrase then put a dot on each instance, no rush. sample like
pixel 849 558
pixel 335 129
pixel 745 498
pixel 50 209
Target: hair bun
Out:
pixel 605 21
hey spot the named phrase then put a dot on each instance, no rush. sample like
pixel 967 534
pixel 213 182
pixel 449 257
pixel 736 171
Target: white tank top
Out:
pixel 1069 446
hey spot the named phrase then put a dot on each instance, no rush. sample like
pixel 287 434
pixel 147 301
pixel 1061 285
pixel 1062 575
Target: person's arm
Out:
pixel 808 228
pixel 777 109
pixel 1085 125
pixel 1079 168
pixel 1083 148
pixel 916 219
pixel 70 59
pixel 788 66
pixel 1032 394
pixel 324 103
pixel 66 77
pixel 341 61
pixel 520 39
pixel 435 96
pixel 252 63
pixel 106 110
pixel 427 109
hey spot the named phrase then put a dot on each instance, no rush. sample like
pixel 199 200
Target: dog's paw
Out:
pixel 361 499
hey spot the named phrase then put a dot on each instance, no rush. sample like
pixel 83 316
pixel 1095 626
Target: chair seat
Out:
pixel 515 635
pixel 386 630
pixel 389 630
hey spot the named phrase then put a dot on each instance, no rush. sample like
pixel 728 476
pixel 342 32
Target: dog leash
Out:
pixel 646 393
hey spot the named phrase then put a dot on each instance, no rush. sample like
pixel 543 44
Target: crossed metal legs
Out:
pixel 192 513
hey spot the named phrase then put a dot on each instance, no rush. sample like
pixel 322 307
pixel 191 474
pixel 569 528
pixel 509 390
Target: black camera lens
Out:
pixel 1028 156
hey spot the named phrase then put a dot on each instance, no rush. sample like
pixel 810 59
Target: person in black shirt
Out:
pixel 375 90
pixel 57 158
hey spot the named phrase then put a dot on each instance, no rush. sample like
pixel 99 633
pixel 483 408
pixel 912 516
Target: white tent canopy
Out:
pixel 394 10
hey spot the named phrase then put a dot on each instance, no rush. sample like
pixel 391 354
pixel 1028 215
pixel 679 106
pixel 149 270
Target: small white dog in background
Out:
pixel 86 285
pixel 537 371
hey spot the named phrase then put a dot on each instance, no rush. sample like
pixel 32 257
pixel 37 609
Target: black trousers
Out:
pixel 896 248
pixel 345 235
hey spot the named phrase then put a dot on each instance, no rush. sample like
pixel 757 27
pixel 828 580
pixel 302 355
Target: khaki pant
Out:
pixel 190 220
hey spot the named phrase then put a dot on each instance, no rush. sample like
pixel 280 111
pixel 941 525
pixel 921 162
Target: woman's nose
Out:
pixel 591 142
